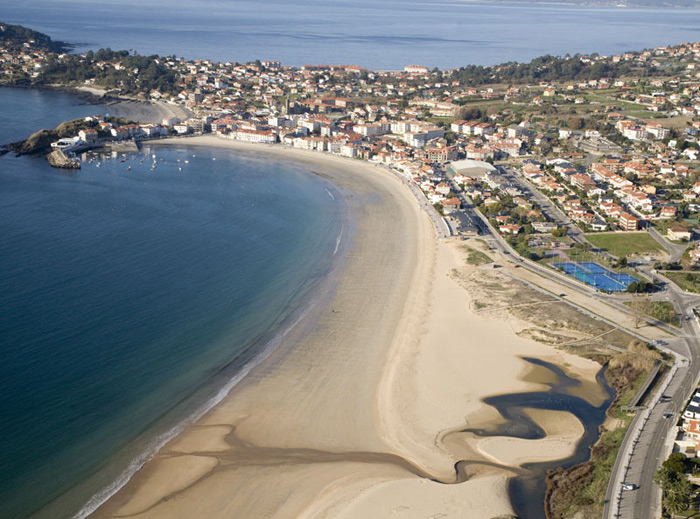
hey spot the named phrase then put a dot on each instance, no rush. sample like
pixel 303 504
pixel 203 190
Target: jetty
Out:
pixel 58 159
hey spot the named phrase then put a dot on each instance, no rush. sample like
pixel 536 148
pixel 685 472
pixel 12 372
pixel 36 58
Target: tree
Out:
pixel 576 123
pixel 469 113
pixel 676 462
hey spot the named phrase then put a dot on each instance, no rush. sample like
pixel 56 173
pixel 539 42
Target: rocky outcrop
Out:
pixel 58 159
pixel 38 142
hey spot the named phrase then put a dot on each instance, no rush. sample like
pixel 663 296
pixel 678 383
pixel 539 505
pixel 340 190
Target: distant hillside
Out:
pixel 16 35
pixel 612 3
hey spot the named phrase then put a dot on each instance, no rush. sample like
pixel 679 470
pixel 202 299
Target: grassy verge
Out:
pixel 660 310
pixel 685 280
pixel 625 243
pixel 476 258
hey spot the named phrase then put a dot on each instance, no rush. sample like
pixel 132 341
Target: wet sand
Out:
pixel 351 416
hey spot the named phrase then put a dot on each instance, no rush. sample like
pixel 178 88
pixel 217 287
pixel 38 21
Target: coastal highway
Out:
pixel 647 443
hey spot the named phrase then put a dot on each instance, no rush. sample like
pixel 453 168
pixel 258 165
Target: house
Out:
pixel 443 188
pixel 120 133
pixel 88 135
pixel 679 233
pixel 509 228
pixel 692 429
pixel 667 211
pixel 451 204
pixel 692 412
pixel 544 227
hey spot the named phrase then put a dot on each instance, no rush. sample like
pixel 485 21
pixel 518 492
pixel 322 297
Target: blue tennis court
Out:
pixel 597 276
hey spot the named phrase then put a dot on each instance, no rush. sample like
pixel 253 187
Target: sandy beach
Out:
pixel 355 416
pixel 136 109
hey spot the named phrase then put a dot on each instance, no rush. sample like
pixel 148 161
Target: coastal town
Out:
pixel 541 160
pixel 586 167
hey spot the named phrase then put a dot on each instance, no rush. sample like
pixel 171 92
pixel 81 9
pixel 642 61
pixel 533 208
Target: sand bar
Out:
pixel 350 419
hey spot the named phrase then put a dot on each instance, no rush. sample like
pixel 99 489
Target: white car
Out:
pixel 629 486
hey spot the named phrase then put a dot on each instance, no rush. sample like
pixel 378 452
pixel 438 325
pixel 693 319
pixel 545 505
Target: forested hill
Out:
pixel 16 35
pixel 113 70
pixel 555 68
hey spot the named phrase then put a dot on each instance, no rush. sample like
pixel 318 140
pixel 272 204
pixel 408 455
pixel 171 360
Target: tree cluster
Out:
pixel 677 490
pixel 14 36
pixel 135 74
pixel 547 68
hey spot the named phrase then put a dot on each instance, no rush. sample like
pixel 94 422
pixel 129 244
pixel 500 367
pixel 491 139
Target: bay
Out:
pixel 129 298
pixel 24 111
pixel 380 34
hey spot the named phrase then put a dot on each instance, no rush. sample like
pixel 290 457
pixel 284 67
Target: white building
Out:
pixel 254 136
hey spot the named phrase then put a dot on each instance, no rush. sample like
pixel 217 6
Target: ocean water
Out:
pixel 24 111
pixel 129 299
pixel 380 34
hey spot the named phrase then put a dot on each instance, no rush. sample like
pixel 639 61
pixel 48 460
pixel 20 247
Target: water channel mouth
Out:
pixel 527 489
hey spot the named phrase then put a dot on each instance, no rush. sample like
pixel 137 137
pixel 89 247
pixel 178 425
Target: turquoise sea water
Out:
pixel 128 299
pixel 380 34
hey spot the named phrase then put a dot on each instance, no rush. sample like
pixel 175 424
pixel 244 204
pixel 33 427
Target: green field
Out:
pixel 625 243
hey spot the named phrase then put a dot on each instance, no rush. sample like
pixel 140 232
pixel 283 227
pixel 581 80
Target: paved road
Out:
pixel 552 212
pixel 645 447
pixel 675 250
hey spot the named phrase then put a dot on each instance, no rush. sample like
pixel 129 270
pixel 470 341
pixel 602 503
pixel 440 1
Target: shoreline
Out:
pixel 349 410
pixel 138 110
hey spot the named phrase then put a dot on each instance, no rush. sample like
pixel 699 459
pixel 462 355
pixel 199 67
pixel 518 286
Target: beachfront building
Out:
pixel 267 137
pixel 67 143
